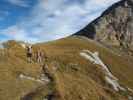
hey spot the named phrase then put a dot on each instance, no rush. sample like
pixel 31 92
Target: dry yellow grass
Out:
pixel 75 78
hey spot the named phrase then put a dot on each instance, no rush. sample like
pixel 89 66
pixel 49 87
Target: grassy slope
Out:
pixel 75 79
pixel 11 65
pixel 88 81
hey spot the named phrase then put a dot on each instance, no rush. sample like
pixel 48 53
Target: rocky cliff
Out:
pixel 114 26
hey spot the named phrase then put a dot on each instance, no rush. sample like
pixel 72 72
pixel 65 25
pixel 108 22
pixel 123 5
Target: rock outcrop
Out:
pixel 114 26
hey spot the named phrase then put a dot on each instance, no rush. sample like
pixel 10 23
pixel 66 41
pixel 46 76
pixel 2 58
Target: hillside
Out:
pixel 114 27
pixel 72 76
pixel 94 64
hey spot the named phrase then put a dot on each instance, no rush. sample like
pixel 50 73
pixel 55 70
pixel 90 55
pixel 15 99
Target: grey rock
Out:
pixel 114 26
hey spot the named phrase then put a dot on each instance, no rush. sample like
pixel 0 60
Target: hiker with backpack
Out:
pixel 39 56
pixel 29 54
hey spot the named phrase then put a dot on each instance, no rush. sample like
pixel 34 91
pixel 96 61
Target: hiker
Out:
pixel 29 54
pixel 39 56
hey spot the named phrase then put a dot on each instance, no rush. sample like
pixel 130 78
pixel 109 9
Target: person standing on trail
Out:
pixel 29 54
pixel 40 56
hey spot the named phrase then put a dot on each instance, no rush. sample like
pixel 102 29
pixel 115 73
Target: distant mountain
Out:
pixel 114 26
pixel 1 45
pixel 13 43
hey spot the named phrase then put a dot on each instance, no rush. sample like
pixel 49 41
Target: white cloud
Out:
pixel 15 32
pixel 21 3
pixel 51 20
pixel 98 4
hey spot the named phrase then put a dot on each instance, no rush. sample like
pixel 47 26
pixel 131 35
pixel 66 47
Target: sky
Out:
pixel 47 20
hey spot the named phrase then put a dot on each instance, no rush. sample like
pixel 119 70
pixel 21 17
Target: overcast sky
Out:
pixel 46 20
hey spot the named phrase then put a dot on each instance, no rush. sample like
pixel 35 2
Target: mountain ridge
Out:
pixel 114 26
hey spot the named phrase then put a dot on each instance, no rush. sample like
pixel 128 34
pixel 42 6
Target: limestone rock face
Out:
pixel 114 26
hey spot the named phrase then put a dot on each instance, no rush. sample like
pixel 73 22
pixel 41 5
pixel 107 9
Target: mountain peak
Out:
pixel 114 26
